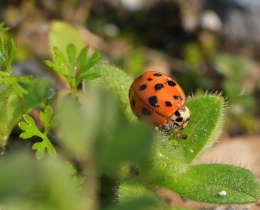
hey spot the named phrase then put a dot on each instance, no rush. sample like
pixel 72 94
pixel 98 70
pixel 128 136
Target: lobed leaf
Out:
pixel 54 121
pixel 45 118
pixel 40 150
pixel 29 127
pixel 11 113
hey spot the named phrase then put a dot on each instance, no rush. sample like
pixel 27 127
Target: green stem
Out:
pixel 74 93
pixel 22 105
pixel 10 71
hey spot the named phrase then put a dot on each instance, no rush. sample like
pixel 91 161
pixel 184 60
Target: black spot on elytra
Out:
pixel 142 87
pixel 158 86
pixel 177 98
pixel 177 113
pixel 149 79
pixel 171 83
pixel 168 103
pixel 146 112
pixel 133 102
pixel 179 119
pixel 153 101
pixel 157 74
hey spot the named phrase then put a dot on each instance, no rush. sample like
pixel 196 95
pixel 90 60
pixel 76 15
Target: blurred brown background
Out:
pixel 205 45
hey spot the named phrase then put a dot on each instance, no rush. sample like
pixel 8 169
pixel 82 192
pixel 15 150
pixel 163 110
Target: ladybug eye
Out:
pixel 179 119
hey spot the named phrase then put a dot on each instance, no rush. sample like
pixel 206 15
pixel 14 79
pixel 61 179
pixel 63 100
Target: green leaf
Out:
pixel 86 65
pixel 61 62
pixel 19 90
pixel 26 134
pixel 71 52
pixel 83 56
pixel 54 121
pixel 11 51
pixel 137 204
pixel 3 28
pixel 69 34
pixel 10 112
pixel 117 82
pixel 131 190
pixel 71 170
pixel 26 79
pixel 90 76
pixel 22 175
pixel 40 150
pixel 95 58
pixel 127 140
pixel 3 59
pixel 53 66
pixel 216 183
pixel 29 127
pixel 45 118
pixel 78 180
pixel 50 148
pixel 206 123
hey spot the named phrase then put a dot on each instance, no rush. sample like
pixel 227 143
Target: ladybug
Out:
pixel 158 99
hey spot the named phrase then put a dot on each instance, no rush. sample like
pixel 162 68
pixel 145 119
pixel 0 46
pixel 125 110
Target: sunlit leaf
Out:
pixel 69 34
pixel 11 50
pixel 3 59
pixel 216 183
pixel 71 52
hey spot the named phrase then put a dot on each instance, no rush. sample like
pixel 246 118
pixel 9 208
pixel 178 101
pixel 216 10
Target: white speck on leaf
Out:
pixel 222 193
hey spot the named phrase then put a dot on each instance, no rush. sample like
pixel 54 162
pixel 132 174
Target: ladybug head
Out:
pixel 179 119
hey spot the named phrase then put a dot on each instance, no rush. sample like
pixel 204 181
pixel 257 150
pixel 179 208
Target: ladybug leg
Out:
pixel 169 127
pixel 182 136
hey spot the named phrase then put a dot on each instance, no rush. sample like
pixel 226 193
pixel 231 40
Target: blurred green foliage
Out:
pixel 238 86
